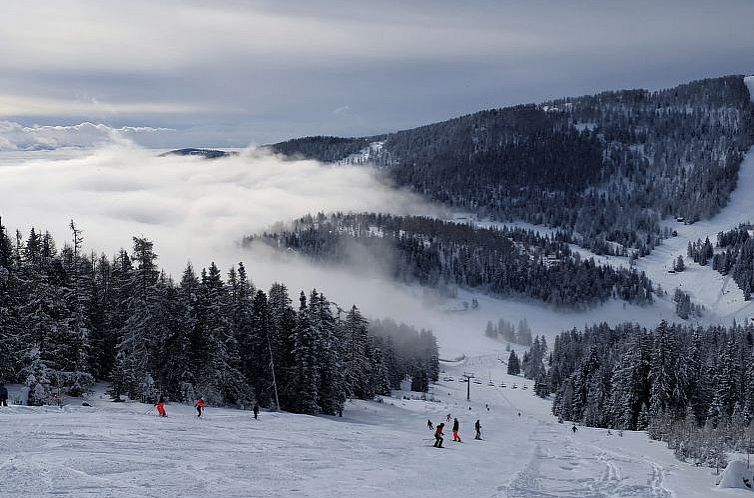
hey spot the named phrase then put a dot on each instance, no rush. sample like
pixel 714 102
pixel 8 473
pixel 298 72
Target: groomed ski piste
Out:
pixel 378 448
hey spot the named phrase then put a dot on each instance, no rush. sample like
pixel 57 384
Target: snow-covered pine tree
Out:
pixel 251 323
pixel 490 331
pixel 507 330
pixel 726 380
pixel 11 348
pixel 142 308
pixel 283 325
pixel 697 388
pixel 523 334
pixel 198 344
pixel 36 376
pixel 45 316
pixel 379 378
pixel 101 338
pixel 663 394
pixel 514 368
pixel 355 354
pixel 533 364
pixel 256 349
pixel 332 387
pixel 305 378
pixel 170 355
pixel 679 264
pixel 75 374
pixel 627 394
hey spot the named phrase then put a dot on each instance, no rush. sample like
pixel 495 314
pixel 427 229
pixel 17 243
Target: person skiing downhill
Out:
pixel 3 395
pixel 161 407
pixel 429 424
pixel 200 407
pixel 478 429
pixel 447 419
pixel 456 437
pixel 256 411
pixel 574 429
pixel 438 435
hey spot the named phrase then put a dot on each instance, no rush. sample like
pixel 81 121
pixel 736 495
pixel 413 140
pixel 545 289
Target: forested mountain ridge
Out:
pixel 605 167
pixel 443 254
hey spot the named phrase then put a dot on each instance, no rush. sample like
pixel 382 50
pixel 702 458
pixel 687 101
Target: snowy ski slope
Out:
pixel 376 449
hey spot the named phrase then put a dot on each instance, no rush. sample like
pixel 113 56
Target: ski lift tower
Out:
pixel 468 376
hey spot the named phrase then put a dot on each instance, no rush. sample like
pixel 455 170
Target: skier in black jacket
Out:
pixel 439 435
pixel 3 395
pixel 478 429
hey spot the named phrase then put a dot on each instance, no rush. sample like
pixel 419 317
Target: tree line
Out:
pixel 690 386
pixel 737 257
pixel 68 319
pixel 443 254
pixel 506 331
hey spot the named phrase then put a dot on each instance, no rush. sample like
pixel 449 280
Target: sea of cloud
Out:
pixel 194 209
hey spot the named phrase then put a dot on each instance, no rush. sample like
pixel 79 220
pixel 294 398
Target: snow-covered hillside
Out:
pixel 377 449
pixel 717 293
pixel 720 296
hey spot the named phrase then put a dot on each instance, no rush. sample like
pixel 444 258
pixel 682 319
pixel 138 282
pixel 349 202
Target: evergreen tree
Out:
pixel 679 265
pixel 142 305
pixel 306 375
pixel 514 367
pixel 332 387
pixel 491 331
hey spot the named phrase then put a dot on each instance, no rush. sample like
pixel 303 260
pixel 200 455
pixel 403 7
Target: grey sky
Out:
pixel 231 73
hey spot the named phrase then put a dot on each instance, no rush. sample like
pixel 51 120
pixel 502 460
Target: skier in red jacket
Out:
pixel 161 407
pixel 199 407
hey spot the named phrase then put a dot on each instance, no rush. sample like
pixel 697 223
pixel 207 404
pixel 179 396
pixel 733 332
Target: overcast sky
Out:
pixel 232 73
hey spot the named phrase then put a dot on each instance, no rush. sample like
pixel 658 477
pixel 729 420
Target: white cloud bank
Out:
pixel 198 210
pixel 14 136
pixel 194 209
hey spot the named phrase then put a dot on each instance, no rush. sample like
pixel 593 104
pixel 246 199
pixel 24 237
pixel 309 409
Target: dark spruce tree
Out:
pixel 514 367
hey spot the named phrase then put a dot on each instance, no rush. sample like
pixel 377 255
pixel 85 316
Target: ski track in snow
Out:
pixel 575 469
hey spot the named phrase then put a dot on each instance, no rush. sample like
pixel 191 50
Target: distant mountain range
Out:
pixel 206 153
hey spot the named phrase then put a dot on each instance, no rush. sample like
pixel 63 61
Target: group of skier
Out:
pixel 199 405
pixel 456 427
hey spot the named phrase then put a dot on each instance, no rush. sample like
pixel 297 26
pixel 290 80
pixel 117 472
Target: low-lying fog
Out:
pixel 194 209
pixel 198 210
